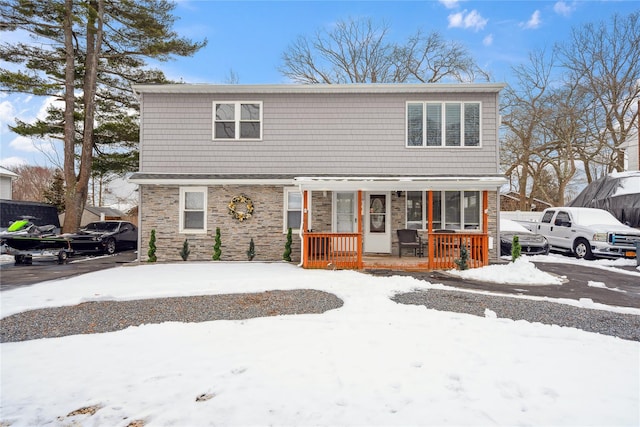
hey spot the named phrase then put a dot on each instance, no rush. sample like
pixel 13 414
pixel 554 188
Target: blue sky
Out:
pixel 249 38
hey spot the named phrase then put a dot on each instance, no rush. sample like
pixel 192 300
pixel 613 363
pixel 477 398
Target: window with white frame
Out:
pixel 443 124
pixel 235 120
pixel 292 209
pixel 452 210
pixel 193 203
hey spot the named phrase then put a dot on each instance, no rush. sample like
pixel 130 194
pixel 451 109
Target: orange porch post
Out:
pixel 305 221
pixel 360 228
pixel 485 226
pixel 430 228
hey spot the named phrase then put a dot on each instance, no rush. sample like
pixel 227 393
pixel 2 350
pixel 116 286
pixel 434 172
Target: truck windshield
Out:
pixel 595 217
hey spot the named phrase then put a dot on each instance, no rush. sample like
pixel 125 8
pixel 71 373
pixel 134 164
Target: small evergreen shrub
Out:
pixel 184 253
pixel 252 250
pixel 463 261
pixel 216 246
pixel 152 247
pixel 287 247
pixel 516 249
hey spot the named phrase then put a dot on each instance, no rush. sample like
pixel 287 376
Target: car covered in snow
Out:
pixel 531 243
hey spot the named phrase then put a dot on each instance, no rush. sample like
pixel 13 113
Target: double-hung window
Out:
pixel 193 203
pixel 237 120
pixel 454 210
pixel 438 124
pixel 292 209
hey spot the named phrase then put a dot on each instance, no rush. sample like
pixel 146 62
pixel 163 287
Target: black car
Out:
pixel 531 243
pixel 105 236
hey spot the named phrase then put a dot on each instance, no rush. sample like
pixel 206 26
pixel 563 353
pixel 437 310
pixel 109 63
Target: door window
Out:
pixel 377 213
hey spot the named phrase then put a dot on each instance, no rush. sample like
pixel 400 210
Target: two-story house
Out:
pixel 343 166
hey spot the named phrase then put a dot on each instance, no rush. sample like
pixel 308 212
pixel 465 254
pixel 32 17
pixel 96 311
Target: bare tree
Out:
pixel 358 51
pixel 31 183
pixel 604 60
pixel 525 106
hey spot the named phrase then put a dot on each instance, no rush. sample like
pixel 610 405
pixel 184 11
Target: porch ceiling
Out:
pixel 417 183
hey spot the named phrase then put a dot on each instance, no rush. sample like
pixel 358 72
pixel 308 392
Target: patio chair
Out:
pixel 410 239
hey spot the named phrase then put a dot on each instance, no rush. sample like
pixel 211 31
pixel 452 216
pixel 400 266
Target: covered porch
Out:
pixel 439 248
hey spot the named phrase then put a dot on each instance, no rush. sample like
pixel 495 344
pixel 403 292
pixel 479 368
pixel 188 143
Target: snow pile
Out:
pixel 522 271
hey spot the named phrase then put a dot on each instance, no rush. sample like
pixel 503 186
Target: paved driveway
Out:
pixel 47 268
pixel 621 290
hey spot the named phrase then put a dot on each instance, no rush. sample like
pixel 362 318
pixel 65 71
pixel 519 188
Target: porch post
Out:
pixel 430 228
pixel 305 221
pixel 360 228
pixel 485 226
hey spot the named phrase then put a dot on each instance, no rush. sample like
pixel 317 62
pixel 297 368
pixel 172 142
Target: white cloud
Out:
pixel 22 143
pixel 11 162
pixel 488 41
pixel 563 8
pixel 28 145
pixel 533 22
pixel 7 113
pixel 449 4
pixel 472 20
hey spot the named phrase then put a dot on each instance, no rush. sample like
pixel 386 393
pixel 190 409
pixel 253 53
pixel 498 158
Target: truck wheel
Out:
pixel 19 259
pixel 62 256
pixel 582 249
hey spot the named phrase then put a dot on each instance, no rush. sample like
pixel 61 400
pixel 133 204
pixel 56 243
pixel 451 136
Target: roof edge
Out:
pixel 358 88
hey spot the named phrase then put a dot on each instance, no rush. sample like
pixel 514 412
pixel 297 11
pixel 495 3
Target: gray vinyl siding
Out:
pixel 308 134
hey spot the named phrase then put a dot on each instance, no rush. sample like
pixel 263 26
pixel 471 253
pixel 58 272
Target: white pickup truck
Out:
pixel 586 232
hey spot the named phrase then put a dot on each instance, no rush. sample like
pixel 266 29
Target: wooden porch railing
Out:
pixel 340 250
pixel 344 250
pixel 444 249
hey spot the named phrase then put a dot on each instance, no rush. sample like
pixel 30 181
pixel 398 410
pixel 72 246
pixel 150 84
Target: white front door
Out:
pixel 377 223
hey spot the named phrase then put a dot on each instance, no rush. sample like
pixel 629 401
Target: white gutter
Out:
pixel 399 183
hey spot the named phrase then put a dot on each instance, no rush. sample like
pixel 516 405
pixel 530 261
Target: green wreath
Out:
pixel 233 207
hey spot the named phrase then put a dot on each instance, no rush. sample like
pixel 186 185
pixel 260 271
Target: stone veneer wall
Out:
pixel 161 210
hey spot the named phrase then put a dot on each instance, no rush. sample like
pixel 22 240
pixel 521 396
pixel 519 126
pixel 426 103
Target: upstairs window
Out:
pixel 237 120
pixel 437 124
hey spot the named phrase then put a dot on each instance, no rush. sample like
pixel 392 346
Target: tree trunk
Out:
pixel 72 211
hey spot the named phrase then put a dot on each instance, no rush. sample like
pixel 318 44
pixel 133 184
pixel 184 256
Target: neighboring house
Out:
pixel 6 183
pixel 93 213
pixel 511 202
pixel 348 165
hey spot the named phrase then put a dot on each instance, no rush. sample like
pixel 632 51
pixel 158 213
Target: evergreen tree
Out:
pixel 516 249
pixel 184 253
pixel 152 247
pixel 252 250
pixel 216 246
pixel 463 261
pixel 54 193
pixel 287 247
pixel 86 54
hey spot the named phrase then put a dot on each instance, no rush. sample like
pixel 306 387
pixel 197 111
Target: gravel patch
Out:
pixel 109 316
pixel 625 326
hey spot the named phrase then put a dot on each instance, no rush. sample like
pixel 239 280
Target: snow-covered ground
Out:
pixel 371 362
